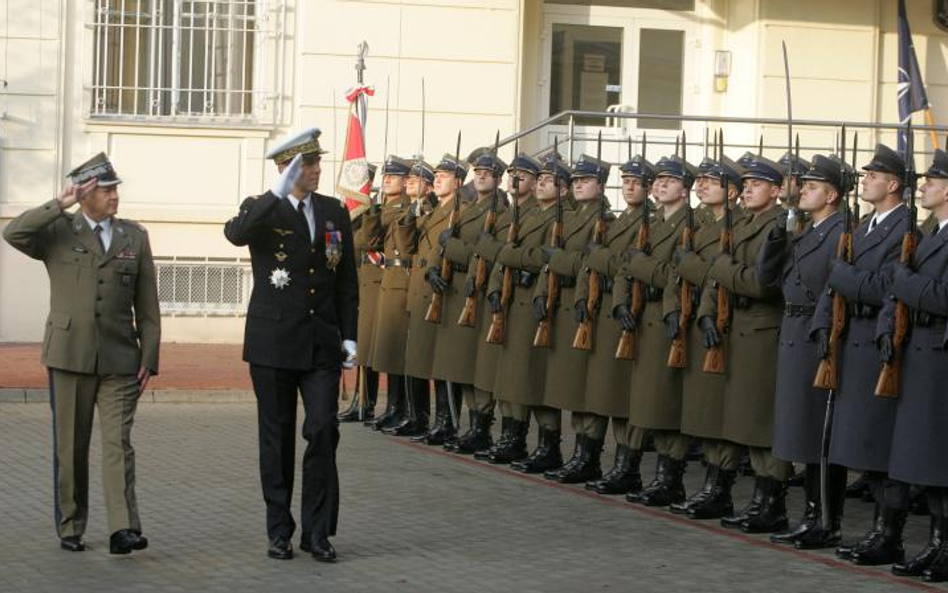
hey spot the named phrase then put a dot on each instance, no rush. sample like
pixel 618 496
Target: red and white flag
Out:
pixel 354 184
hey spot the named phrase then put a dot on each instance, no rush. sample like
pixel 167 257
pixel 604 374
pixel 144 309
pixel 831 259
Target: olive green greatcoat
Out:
pixel 456 345
pixel 566 366
pixel 521 368
pixel 702 404
pixel 420 238
pixel 104 317
pixel 607 378
pixel 370 278
pixel 487 247
pixel 655 389
pixel 391 313
pixel 751 342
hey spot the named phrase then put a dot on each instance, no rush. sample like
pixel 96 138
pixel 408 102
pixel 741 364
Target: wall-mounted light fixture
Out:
pixel 722 70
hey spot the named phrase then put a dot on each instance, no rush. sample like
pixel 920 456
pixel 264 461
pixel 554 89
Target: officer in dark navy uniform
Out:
pixel 301 329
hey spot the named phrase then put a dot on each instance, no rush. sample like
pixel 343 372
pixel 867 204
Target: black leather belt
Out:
pixel 862 311
pixel 607 285
pixel 742 302
pixel 567 281
pixel 792 310
pixel 652 294
pixel 926 319
pixel 421 263
pixel 397 263
pixel 524 279
pixel 459 268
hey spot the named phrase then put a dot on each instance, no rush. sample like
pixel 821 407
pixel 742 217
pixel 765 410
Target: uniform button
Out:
pixel 312 271
pixel 312 291
pixel 310 311
pixel 97 314
pixel 281 245
pixel 98 298
pixel 312 250
pixel 101 281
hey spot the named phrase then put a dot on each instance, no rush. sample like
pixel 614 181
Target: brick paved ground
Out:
pixel 413 519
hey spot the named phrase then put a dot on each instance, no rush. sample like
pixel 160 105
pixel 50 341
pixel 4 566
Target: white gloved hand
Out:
pixel 349 347
pixel 284 185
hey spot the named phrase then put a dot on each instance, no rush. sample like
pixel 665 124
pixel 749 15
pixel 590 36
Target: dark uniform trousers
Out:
pixel 276 391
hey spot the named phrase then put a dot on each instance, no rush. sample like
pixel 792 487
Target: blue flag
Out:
pixel 911 90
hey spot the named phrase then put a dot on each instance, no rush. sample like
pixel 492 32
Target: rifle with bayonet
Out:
pixel 714 356
pixel 676 353
pixel 827 373
pixel 888 384
pixel 584 331
pixel 541 339
pixel 498 321
pixel 433 314
pixel 469 312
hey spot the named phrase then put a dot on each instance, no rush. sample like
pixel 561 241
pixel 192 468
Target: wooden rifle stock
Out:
pixel 469 312
pixel 677 358
pixel 714 357
pixel 541 339
pixel 433 314
pixel 888 384
pixel 584 331
pixel 625 350
pixel 498 322
pixel 827 373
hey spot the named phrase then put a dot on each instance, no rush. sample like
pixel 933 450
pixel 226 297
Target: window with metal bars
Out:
pixel 178 58
pixel 203 286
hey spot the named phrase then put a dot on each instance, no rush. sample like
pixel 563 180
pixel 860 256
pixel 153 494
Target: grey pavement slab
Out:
pixel 413 519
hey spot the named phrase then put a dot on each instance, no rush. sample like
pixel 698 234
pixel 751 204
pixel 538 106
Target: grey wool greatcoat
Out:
pixel 521 368
pixel 919 439
pixel 566 366
pixel 702 394
pixel 607 377
pixel 420 238
pixel 366 240
pixel 456 345
pixel 862 422
pixel 391 314
pixel 487 247
pixel 751 342
pixel 801 265
pixel 654 395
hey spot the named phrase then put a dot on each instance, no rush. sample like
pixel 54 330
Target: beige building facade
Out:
pixel 186 96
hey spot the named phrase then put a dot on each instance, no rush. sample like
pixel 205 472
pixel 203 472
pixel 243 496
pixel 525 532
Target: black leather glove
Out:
pixel 671 325
pixel 709 331
pixel 374 209
pixel 494 299
pixel 822 338
pixel 469 286
pixel 438 284
pixel 624 316
pixel 781 219
pixel 580 309
pixel 679 254
pixel 444 236
pixel 539 308
pixel 886 348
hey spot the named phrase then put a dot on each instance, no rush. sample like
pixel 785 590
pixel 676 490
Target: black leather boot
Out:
pixel 635 494
pixel 478 437
pixel 505 435
pixel 885 546
pixel 547 456
pixel 516 446
pixel 624 475
pixel 773 514
pixel 860 488
pixel 718 503
pixel 811 508
pixel 670 487
pixel 396 408
pixel 442 427
pixel 710 474
pixel 369 394
pixel 416 422
pixel 918 564
pixel 937 572
pixel 589 466
pixel 753 507
pixel 579 443
pixel 845 550
pixel 828 531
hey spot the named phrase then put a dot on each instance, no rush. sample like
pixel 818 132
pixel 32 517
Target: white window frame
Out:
pixel 266 80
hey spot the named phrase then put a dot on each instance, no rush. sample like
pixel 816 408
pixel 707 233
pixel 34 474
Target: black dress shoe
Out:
pixel 280 548
pixel 322 550
pixel 124 541
pixel 72 543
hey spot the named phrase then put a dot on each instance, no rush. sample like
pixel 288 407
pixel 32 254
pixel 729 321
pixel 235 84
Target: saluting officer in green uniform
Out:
pixel 100 345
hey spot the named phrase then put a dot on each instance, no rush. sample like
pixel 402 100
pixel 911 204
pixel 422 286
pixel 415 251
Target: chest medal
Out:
pixel 279 278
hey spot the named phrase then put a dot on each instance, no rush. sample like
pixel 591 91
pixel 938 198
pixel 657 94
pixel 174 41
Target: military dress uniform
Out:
pixel 751 360
pixel 654 394
pixel 521 369
pixel 103 326
pixel 605 375
pixel 566 366
pixel 419 236
pixel 304 305
pixel 801 263
pixel 702 403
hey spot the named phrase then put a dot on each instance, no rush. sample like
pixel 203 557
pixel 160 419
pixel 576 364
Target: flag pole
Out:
pixel 930 120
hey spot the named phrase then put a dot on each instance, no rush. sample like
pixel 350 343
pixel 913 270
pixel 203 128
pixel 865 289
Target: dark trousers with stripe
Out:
pixel 74 398
pixel 276 391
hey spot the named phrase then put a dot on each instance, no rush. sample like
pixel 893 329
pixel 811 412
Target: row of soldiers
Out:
pixel 678 324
